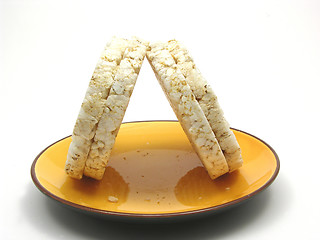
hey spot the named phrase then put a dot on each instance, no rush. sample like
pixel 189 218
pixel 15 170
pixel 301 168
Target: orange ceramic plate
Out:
pixel 154 172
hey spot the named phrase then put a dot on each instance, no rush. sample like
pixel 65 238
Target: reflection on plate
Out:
pixel 154 172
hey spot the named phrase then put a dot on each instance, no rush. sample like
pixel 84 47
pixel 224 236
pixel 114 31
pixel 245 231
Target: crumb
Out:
pixel 147 199
pixel 113 199
pixel 124 158
pixel 199 198
pixel 227 188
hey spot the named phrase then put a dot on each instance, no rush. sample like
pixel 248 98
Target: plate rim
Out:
pixel 154 215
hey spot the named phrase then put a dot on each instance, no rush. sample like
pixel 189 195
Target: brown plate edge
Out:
pixel 159 215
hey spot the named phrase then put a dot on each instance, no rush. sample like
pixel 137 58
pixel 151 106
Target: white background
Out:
pixel 262 59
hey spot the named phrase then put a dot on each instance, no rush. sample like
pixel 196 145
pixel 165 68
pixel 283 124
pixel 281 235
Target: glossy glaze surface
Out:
pixel 153 170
